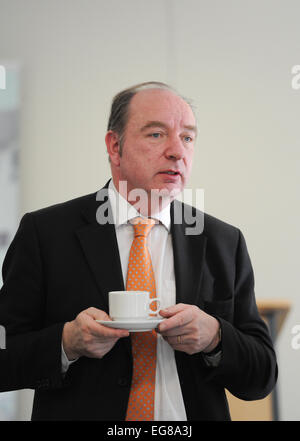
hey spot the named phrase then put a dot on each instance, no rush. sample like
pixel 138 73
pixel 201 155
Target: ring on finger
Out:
pixel 179 339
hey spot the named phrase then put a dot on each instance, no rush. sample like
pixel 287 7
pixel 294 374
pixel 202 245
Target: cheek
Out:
pixel 141 160
pixel 147 161
pixel 189 162
pixel 138 168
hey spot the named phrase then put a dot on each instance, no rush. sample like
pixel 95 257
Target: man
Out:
pixel 63 262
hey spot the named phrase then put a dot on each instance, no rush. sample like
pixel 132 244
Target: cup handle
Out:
pixel 154 299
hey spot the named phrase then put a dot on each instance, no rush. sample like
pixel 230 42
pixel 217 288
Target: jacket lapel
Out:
pixel 189 252
pixel 100 247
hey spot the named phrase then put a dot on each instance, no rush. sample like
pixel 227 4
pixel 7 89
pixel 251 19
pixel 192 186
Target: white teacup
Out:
pixel 131 305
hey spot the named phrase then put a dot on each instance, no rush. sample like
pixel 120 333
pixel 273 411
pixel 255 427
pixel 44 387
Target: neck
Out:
pixel 146 202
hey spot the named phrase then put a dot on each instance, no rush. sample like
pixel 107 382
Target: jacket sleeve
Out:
pixel 248 367
pixel 32 358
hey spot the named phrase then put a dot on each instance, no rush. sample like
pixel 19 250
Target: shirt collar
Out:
pixel 123 212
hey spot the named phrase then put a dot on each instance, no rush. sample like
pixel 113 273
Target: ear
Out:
pixel 113 147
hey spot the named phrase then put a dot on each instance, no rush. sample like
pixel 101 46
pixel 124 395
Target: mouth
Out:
pixel 171 177
pixel 170 172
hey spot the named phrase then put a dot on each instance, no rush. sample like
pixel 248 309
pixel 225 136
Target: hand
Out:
pixel 84 336
pixel 189 329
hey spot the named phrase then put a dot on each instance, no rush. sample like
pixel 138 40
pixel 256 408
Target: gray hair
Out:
pixel 119 113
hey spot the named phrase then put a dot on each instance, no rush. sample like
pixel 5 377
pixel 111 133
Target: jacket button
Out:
pixel 122 381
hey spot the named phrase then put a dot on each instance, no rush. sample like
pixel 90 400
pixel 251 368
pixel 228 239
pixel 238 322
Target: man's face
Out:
pixel 158 143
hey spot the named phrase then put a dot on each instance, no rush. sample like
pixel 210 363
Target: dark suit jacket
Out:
pixel 62 261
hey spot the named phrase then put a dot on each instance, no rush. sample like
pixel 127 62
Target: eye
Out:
pixel 188 138
pixel 155 135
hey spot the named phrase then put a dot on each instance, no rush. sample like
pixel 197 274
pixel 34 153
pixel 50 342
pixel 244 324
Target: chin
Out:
pixel 168 190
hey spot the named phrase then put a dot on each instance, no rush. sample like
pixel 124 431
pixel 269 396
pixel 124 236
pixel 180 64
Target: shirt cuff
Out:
pixel 213 360
pixel 65 362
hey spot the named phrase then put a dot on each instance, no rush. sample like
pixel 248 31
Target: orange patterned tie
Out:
pixel 140 277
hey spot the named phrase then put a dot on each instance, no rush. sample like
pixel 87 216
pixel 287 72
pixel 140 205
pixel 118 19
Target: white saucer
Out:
pixel 132 326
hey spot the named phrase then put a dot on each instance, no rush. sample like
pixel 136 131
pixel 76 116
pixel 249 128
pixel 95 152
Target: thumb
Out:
pixel 172 310
pixel 97 314
pixel 167 312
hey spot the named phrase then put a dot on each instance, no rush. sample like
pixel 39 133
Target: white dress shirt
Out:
pixel 169 404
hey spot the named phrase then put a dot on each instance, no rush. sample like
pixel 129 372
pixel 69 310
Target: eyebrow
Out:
pixel 150 124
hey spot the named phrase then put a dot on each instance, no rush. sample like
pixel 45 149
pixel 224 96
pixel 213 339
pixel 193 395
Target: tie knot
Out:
pixel 142 226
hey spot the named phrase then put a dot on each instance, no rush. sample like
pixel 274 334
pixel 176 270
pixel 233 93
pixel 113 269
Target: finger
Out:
pixel 177 330
pixel 177 320
pixel 174 343
pixel 97 314
pixel 99 330
pixel 174 309
pixel 99 349
pixel 112 332
pixel 177 340
pixel 104 331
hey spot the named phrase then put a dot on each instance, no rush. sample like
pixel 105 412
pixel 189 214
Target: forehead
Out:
pixel 159 105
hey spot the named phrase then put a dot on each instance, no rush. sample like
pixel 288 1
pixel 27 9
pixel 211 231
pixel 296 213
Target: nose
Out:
pixel 175 149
